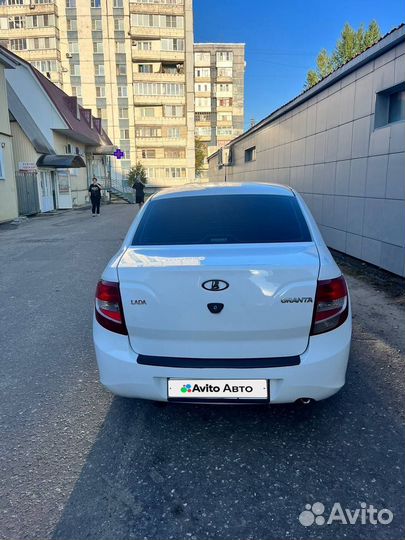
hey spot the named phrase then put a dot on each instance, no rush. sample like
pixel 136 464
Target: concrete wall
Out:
pixel 351 174
pixel 8 189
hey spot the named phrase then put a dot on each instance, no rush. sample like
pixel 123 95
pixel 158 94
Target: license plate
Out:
pixel 218 389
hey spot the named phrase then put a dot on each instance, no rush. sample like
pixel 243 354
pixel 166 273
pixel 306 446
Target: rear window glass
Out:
pixel 222 219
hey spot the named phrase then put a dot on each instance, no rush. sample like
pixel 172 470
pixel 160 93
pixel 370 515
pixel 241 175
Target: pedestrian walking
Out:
pixel 139 188
pixel 95 196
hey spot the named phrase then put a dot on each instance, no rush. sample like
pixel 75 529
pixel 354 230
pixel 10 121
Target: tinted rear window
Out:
pixel 222 219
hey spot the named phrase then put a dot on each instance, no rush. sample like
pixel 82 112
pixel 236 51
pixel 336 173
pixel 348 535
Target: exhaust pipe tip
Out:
pixel 305 401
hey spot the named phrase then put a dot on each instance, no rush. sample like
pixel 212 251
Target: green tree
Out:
pixel 137 174
pixel 324 64
pixel 312 79
pixel 346 47
pixel 200 155
pixel 372 35
pixel 350 44
pixel 360 40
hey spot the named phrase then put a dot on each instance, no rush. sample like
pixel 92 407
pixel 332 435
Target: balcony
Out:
pixel 160 121
pixel 157 55
pixel 156 9
pixel 160 142
pixel 39 54
pixel 27 33
pixel 159 77
pixel 143 32
pixel 157 100
pixel 202 79
pixel 162 161
pixel 27 9
pixel 224 79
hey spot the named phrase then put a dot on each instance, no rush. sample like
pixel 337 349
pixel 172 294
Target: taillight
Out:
pixel 331 305
pixel 109 312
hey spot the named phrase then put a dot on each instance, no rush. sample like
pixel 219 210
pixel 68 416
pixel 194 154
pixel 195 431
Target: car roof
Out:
pixel 224 188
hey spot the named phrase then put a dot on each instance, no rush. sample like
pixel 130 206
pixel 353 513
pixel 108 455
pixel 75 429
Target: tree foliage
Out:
pixel 350 44
pixel 200 155
pixel 137 174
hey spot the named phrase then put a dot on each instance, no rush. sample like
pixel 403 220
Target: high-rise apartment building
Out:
pixel 219 70
pixel 129 60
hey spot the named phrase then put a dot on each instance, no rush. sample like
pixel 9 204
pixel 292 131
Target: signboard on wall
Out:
pixel 27 166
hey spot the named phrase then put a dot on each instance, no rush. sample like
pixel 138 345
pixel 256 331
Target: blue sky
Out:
pixel 283 39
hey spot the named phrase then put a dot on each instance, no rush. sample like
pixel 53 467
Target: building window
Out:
pixel 77 91
pixel 148 153
pixel 157 21
pixel 97 47
pixel 250 154
pixel 15 23
pixel 100 91
pixel 124 134
pixel 203 58
pixel 71 25
pixel 158 89
pixel 225 117
pixel 122 113
pixel 396 109
pixel 122 91
pixel 173 111
pixel 18 44
pixel 172 44
pixel 99 70
pixel 120 47
pixel 45 66
pixel 70 3
pixel 143 45
pixel 203 87
pixel 145 68
pixel 202 72
pixel 390 106
pixel 174 133
pixel 119 24
pixel 95 3
pixel 121 69
pixel 225 102
pixel 175 172
pixel 225 72
pixel 73 47
pixel 75 70
pixel 118 3
pixel 175 153
pixel 148 132
pixel 96 25
pixel 146 112
pixel 203 117
pixel 224 56
pixel 203 102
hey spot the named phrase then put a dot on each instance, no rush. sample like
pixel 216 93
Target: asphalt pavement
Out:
pixel 78 463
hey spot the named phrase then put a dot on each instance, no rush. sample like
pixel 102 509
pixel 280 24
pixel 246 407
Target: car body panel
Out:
pixel 178 323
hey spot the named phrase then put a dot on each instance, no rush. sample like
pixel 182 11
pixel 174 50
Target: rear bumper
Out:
pixel 320 374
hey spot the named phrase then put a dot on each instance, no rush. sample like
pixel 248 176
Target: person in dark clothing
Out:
pixel 139 192
pixel 95 196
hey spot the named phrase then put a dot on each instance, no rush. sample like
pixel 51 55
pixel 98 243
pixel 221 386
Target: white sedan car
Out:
pixel 223 293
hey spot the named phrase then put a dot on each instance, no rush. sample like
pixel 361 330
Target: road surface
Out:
pixel 78 463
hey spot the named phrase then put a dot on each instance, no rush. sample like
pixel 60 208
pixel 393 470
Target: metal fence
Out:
pixel 121 188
